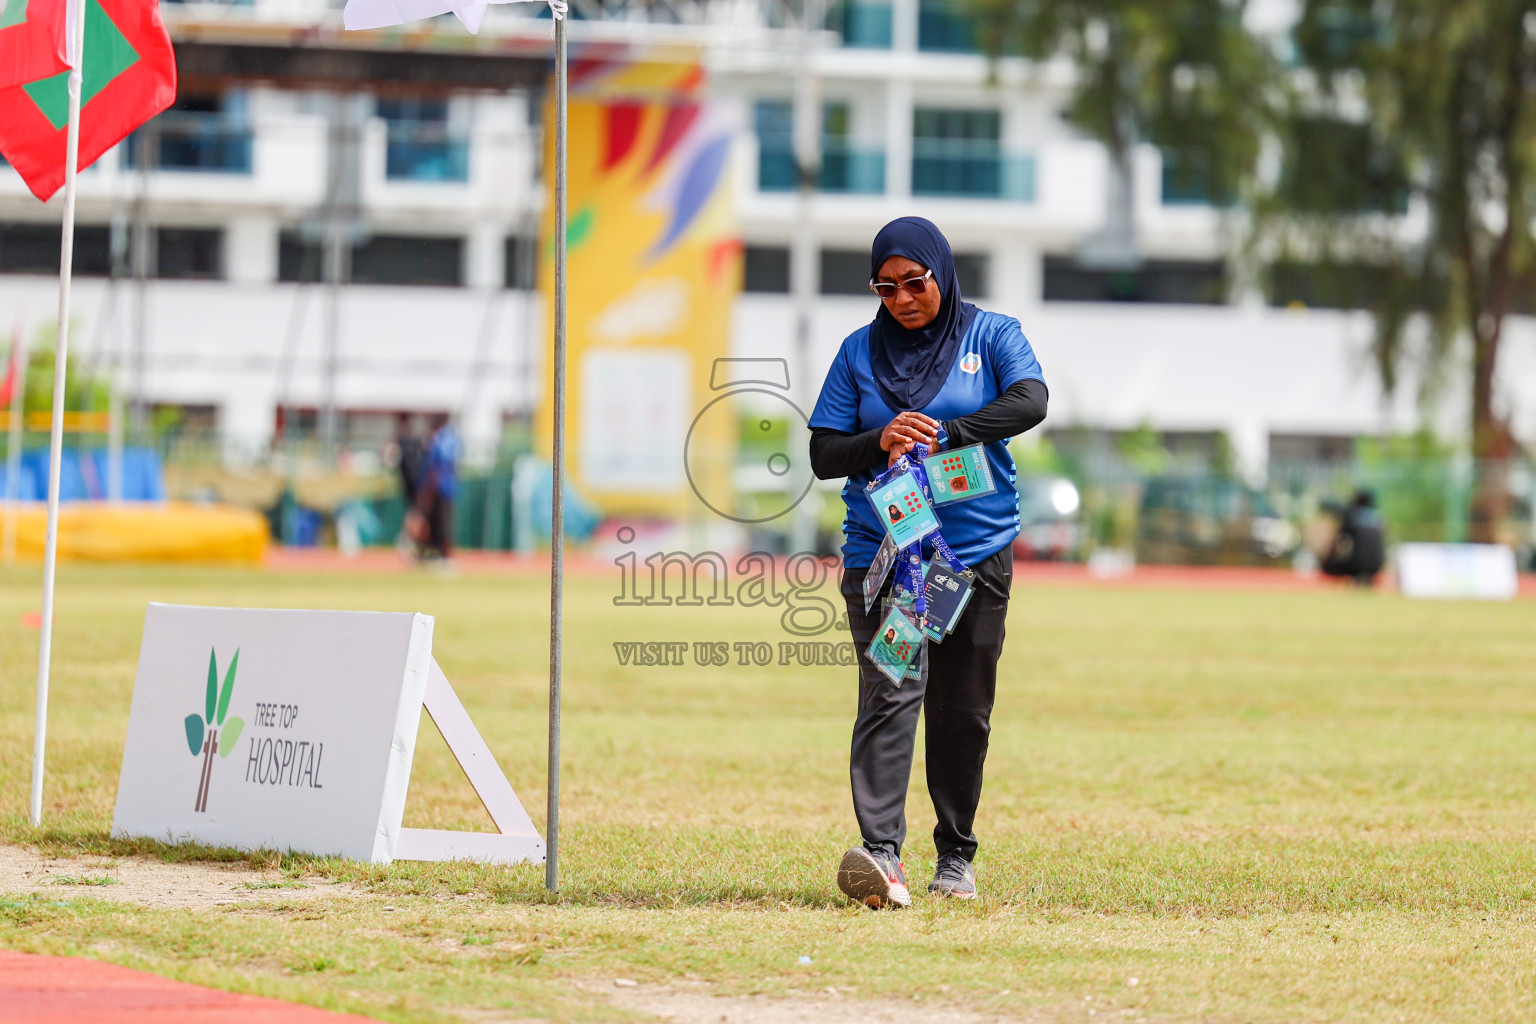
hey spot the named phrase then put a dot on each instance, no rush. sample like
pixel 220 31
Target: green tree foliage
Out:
pixel 1421 105
pixel 1184 75
pixel 1419 487
pixel 1387 107
pixel 83 391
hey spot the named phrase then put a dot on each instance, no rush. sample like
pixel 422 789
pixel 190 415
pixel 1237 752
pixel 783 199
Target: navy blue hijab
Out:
pixel 911 366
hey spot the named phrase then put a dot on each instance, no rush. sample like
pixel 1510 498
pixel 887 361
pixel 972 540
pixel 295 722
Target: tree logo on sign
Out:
pixel 203 730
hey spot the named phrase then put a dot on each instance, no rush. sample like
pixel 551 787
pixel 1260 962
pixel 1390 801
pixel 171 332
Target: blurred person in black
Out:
pixel 1359 549
pixel 410 461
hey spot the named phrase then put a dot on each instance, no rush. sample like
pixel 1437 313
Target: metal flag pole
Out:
pixel 557 528
pixel 56 429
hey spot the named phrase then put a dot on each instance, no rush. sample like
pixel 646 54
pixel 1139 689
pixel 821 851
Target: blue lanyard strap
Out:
pixel 909 567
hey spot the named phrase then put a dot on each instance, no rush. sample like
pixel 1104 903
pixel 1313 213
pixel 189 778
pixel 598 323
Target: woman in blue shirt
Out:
pixel 928 361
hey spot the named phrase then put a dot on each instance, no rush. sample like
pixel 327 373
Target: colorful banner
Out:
pixel 653 265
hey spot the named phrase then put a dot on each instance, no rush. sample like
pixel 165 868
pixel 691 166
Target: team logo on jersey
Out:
pixel 970 362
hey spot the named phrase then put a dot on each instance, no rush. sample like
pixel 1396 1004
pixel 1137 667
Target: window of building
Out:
pixel 201 132
pixel 865 24
pixel 844 167
pixel 1177 282
pixel 1191 178
pixel 1311 447
pixel 958 152
pixel 1332 284
pixel 1327 285
pixel 35 248
pixel 382 259
pixel 943 26
pixel 189 253
pixel 775 123
pixel 409 259
pixel 298 258
pixel 845 272
pixel 521 263
pixel 359 430
pixel 422 144
pixel 765 268
pixel 972 269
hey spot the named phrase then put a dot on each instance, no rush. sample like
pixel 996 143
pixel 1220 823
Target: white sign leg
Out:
pixel 517 841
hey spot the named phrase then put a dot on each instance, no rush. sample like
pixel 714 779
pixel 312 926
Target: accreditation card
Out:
pixel 896 645
pixel 879 569
pixel 959 475
pixel 947 592
pixel 902 509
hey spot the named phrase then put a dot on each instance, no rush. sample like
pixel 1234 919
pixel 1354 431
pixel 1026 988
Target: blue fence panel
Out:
pixel 83 476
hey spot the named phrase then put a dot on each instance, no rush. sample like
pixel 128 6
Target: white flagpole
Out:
pixel 557 528
pixel 56 432
pixel 13 449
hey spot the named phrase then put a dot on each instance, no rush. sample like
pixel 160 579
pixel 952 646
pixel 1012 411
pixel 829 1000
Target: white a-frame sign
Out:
pixel 296 730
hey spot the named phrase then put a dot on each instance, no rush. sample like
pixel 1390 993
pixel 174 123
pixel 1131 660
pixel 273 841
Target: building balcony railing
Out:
pixel 213 143
pixel 946 168
pixel 425 151
pixel 844 169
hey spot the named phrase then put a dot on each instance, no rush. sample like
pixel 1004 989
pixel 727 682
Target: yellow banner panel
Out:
pixel 653 267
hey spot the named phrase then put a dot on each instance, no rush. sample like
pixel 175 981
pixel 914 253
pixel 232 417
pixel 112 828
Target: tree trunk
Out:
pixel 1491 447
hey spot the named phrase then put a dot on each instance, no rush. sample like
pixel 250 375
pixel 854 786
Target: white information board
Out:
pixel 634 419
pixel 1482 571
pixel 295 730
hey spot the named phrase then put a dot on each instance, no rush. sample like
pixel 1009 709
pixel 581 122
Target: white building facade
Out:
pixel 225 315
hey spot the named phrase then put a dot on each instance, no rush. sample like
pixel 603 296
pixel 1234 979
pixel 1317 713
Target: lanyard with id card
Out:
pixel 948 592
pixel 879 569
pixel 902 499
pixel 897 644
pixel 903 509
pixel 959 475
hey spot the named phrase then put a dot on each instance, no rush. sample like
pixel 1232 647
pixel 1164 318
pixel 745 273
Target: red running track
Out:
pixel 71 990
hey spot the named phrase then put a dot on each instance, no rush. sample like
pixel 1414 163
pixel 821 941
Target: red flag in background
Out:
pixel 128 76
pixel 9 384
pixel 32 43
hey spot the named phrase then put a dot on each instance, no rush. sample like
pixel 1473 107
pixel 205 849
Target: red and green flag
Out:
pixel 9 384
pixel 128 75
pixel 32 43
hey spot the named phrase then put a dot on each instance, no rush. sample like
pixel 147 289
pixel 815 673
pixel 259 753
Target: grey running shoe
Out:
pixel 874 879
pixel 954 877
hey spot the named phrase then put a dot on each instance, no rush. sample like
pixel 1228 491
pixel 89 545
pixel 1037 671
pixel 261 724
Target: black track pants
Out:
pixel 956 694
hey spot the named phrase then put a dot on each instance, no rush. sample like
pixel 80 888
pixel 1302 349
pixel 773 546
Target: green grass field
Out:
pixel 1261 806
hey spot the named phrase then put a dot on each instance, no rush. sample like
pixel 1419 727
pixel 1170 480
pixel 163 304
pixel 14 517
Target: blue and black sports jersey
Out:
pixel 994 354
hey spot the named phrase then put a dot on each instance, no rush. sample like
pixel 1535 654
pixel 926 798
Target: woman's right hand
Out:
pixel 908 429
